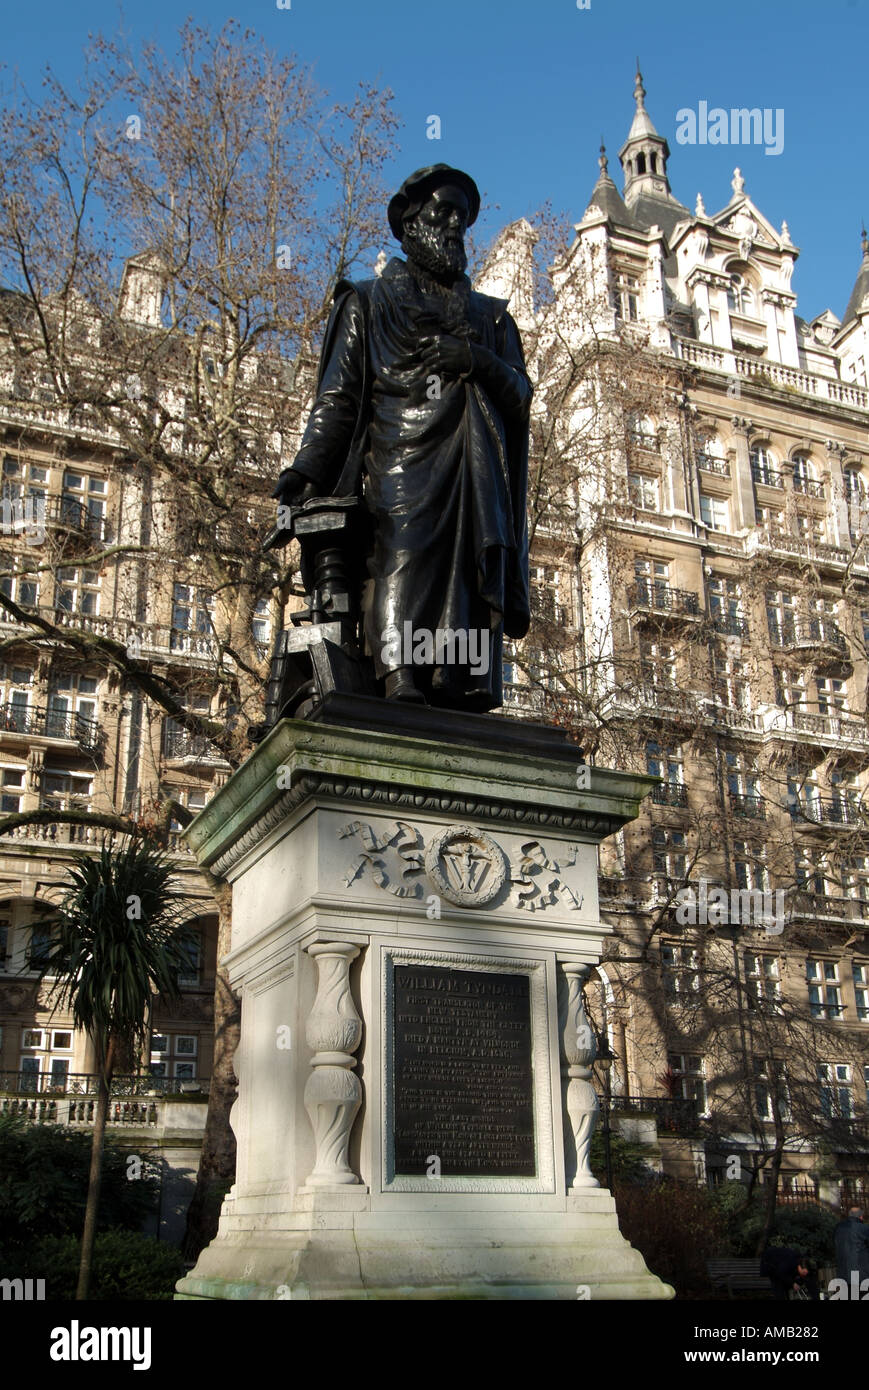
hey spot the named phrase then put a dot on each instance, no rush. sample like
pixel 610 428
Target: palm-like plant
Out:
pixel 117 939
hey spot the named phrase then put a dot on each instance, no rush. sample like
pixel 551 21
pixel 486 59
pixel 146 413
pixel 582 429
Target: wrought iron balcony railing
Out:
pixel 663 599
pixel 729 625
pixel 767 477
pixel 822 812
pixel 51 723
pixel 747 805
pixel 674 1114
pixel 710 464
pixel 810 632
pixel 670 794
pixel 181 743
pixel 809 487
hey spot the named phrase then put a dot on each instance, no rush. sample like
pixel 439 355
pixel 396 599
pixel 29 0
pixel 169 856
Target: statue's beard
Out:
pixel 438 251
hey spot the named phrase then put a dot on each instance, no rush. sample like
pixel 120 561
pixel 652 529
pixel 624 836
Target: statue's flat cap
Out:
pixel 419 187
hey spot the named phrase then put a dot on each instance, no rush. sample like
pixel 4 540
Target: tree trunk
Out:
pixel 95 1176
pixel 217 1160
pixel 774 1169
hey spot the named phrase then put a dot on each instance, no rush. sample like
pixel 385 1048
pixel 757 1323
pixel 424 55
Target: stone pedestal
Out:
pixel 414 915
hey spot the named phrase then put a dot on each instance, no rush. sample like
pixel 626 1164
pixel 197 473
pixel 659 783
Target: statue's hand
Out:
pixel 293 487
pixel 443 353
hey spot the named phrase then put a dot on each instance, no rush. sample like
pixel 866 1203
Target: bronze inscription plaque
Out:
pixel 462 1078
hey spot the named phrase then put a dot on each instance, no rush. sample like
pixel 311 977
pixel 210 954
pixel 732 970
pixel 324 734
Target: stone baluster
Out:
pixel 579 1049
pixel 333 1093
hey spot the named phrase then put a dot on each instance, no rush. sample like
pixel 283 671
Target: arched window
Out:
pixel 641 163
pixel 804 477
pixel 740 295
pixel 855 488
pixel 764 468
pixel 710 456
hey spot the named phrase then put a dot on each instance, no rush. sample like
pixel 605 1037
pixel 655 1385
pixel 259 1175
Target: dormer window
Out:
pixel 740 296
pixel 627 304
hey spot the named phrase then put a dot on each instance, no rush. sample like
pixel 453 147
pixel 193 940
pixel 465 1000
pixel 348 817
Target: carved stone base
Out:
pixel 413 919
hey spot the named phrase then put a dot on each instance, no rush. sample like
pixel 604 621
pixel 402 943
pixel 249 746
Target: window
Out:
pixel 855 875
pixel 72 705
pixel 804 477
pixel 5 932
pixel 743 786
pixel 825 994
pixel 749 867
pixel 836 1095
pixel 24 488
pixel 715 512
pixel 192 612
pixel 16 585
pixel 832 696
pixel 38 950
pixel 855 489
pixel 643 492
pixel 78 591
pixel 11 789
pixel 770 1088
pixel 710 457
pixel 669 858
pixel 781 616
pixel 811 529
pixel 860 973
pixel 67 791
pixel 690 1081
pixel 740 295
pixel 666 763
pixel 15 689
pixel 627 303
pixel 764 466
pixel 725 606
pixel 174 1054
pixel 544 594
pixel 652 582
pixel 84 502
pixel 262 623
pixel 731 681
pixel 642 432
pixel 189 974
pixel 791 689
pixel 681 966
pixel 658 664
pixel 763 982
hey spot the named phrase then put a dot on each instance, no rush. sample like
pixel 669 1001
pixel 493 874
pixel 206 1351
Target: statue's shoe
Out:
pixel 400 686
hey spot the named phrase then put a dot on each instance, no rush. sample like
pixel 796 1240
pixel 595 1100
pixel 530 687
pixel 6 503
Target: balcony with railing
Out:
pixel 787 545
pixel 809 487
pixel 767 477
pixel 810 635
pixel 670 794
pixel 836 812
pixel 747 806
pixel 729 625
pixel 63 726
pixel 49 1098
pixel 183 745
pixel 647 597
pixel 769 373
pixel 710 464
pixel 673 1114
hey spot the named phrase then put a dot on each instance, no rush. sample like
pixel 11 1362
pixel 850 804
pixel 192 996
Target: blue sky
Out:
pixel 525 89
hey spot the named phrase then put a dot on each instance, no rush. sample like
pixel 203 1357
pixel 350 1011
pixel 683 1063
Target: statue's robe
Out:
pixel 445 468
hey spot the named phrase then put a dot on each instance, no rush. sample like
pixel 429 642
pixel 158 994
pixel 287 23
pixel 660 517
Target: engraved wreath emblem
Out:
pixel 466 865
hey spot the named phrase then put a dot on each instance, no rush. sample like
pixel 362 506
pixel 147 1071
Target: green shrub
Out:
pixel 44 1182
pixel 676 1228
pixel 126 1266
pixel 627 1160
pixel 808 1230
